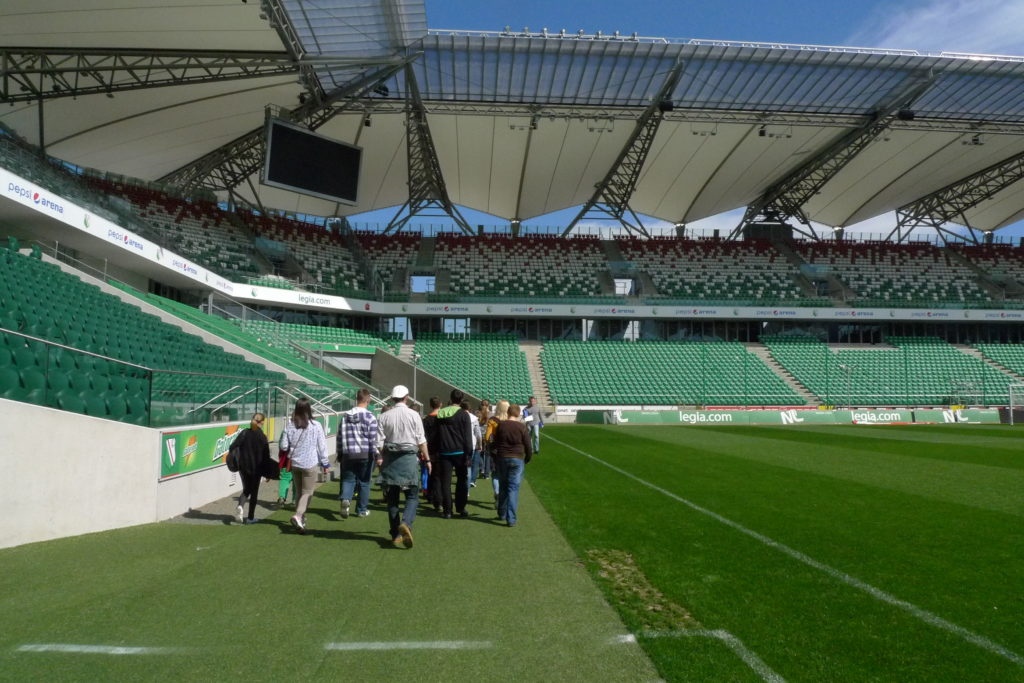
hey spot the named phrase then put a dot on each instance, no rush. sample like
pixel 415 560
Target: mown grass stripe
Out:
pixel 877 593
pixel 412 645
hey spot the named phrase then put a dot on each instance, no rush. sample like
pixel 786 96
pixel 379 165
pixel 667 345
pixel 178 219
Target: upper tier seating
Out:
pixel 322 253
pixel 897 274
pixel 997 260
pixel 919 371
pixel 198 230
pixel 487 366
pixel 389 253
pixel 81 316
pixel 531 266
pixel 750 271
pixel 661 373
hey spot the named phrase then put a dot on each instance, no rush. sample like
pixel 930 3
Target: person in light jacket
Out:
pixel 306 443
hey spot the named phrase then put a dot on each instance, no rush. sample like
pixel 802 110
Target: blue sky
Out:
pixel 979 26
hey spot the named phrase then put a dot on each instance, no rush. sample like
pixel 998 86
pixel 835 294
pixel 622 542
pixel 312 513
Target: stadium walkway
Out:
pixel 473 600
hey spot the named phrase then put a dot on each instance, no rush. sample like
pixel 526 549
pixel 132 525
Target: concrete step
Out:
pixel 538 382
pixel 764 354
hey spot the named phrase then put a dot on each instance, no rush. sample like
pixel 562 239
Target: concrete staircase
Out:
pixel 535 369
pixel 405 351
pixel 975 353
pixel 765 355
pixel 425 256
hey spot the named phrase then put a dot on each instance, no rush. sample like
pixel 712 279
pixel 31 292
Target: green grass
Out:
pixel 261 602
pixel 932 516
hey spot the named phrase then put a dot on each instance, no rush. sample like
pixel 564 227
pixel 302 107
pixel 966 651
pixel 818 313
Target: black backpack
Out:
pixel 231 459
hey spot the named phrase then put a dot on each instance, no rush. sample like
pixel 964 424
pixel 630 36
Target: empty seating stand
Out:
pixel 322 253
pixel 487 365
pixel 525 266
pixel 749 271
pixel 908 371
pixel 661 373
pixel 165 372
pixel 885 274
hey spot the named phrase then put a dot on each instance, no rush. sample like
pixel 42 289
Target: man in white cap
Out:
pixel 401 445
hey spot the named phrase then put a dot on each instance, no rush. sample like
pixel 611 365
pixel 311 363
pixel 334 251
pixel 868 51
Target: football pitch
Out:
pixel 643 553
pixel 812 553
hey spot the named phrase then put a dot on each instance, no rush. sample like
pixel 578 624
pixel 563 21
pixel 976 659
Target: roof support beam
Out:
pixel 427 190
pixel 610 200
pixel 784 201
pixel 277 17
pixel 30 74
pixel 952 202
pixel 230 164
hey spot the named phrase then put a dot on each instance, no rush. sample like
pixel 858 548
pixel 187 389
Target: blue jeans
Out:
pixel 397 516
pixel 508 496
pixel 356 473
pixel 474 469
pixel 535 436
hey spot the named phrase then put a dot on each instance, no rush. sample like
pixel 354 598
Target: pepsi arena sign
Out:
pixel 35 197
pixel 184 267
pixel 125 239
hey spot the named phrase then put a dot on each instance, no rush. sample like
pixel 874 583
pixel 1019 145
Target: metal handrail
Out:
pixel 72 348
pixel 315 400
pixel 236 398
pixel 214 398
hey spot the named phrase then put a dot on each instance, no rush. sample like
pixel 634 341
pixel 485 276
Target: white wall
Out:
pixel 66 474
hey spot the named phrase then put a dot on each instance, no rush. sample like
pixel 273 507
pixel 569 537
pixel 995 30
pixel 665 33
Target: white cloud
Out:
pixel 979 26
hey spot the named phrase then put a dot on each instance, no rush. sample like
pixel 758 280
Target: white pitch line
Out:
pixel 96 649
pixel 748 656
pixel 877 593
pixel 412 645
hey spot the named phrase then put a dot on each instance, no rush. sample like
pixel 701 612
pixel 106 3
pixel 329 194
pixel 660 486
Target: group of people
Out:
pixel 415 455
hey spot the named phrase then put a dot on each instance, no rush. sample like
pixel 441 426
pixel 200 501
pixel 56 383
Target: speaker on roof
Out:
pixel 906 115
pixel 666 106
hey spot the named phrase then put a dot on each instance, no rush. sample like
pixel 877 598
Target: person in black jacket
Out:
pixel 455 446
pixel 253 450
pixel 433 492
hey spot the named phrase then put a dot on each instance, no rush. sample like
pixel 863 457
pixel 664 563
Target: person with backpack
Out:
pixel 250 451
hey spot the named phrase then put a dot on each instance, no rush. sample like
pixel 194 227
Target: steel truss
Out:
pixel 784 201
pixel 427 190
pixel 610 200
pixel 952 202
pixel 683 115
pixel 29 74
pixel 233 163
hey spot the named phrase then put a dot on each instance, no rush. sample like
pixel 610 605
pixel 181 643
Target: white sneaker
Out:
pixel 345 507
pixel 364 513
pixel 240 514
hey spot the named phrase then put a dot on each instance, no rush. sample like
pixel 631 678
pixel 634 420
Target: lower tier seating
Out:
pixel 172 373
pixel 488 366
pixel 913 371
pixel 661 373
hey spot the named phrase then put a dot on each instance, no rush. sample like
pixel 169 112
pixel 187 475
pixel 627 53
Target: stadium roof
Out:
pixel 521 124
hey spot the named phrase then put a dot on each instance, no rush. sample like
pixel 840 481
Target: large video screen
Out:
pixel 312 164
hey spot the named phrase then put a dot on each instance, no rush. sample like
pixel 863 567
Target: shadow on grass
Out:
pixel 225 519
